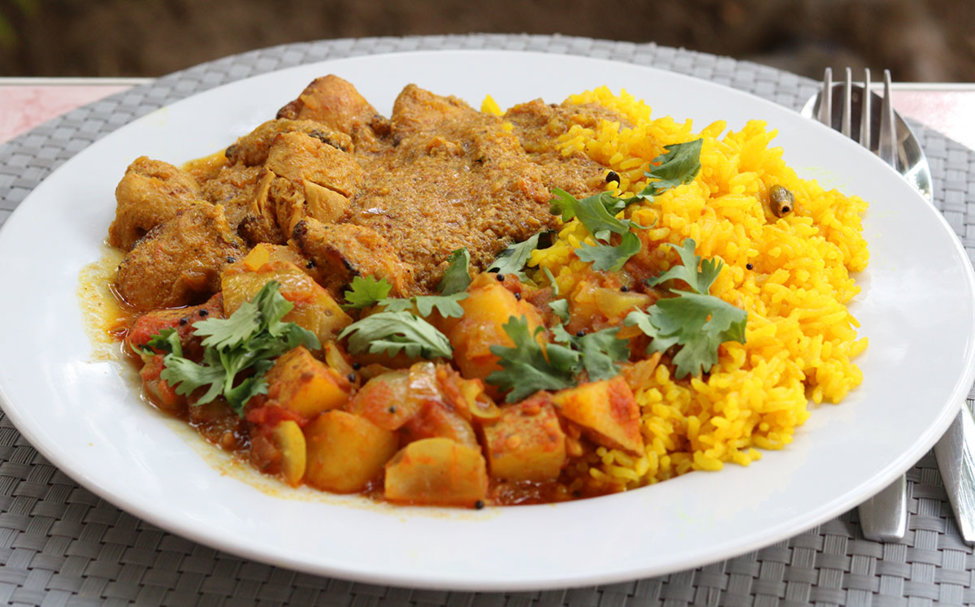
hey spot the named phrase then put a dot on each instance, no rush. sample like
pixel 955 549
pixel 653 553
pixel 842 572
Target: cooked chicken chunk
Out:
pixel 151 192
pixel 336 103
pixel 453 177
pixel 179 261
pixel 252 149
pixel 339 252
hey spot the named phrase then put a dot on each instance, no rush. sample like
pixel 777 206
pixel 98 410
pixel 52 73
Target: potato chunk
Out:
pixel 486 310
pixel 289 440
pixel 346 452
pixel 526 443
pixel 606 410
pixel 437 472
pixel 305 385
pixel 314 309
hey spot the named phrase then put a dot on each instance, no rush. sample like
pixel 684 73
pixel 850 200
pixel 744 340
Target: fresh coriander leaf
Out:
pixel 561 309
pixel 528 367
pixel 551 281
pixel 599 351
pixel 699 281
pixel 696 323
pixel 446 305
pixel 167 341
pixel 457 277
pixel 185 376
pixel 597 213
pixel 390 332
pixel 680 164
pixel 605 257
pixel 245 342
pixel 366 291
pixel 512 260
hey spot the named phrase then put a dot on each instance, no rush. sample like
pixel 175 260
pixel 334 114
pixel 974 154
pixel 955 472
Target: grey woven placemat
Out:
pixel 61 545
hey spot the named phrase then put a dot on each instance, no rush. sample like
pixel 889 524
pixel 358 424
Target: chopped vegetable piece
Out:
pixel 486 310
pixel 526 443
pixel 437 472
pixel 606 410
pixel 346 452
pixel 303 384
pixel 289 440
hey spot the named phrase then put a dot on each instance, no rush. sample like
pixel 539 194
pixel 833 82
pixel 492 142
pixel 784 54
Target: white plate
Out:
pixel 83 415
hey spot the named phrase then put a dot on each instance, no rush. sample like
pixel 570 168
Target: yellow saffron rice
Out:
pixel 792 275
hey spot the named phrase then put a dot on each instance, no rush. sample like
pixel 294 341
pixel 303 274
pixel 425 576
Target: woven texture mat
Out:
pixel 61 545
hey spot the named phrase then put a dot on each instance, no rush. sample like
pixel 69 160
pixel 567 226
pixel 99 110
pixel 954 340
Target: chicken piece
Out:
pixel 252 149
pixel 234 187
pixel 342 251
pixel 538 127
pixel 260 220
pixel 179 262
pixel 455 178
pixel 151 192
pixel 336 103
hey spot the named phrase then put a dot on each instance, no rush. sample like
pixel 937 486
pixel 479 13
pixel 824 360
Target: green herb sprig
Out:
pixel 694 321
pixel 238 350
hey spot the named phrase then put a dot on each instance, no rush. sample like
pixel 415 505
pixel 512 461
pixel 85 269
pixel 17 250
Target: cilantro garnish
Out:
pixel 457 276
pixel 390 332
pixel 365 291
pixel 600 351
pixel 446 305
pixel 513 259
pixel 679 165
pixel 694 320
pixel 238 350
pixel 529 367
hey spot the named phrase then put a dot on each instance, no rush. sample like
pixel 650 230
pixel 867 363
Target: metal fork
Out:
pixel 884 516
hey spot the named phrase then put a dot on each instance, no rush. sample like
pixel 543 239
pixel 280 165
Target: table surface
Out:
pixel 59 544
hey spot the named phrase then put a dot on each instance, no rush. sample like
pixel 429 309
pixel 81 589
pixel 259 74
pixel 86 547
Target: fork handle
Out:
pixel 883 517
pixel 955 453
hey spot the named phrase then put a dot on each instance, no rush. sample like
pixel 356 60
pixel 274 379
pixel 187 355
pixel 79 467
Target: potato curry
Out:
pixel 342 299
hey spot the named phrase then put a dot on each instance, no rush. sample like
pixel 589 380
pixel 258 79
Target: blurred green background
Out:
pixel 919 40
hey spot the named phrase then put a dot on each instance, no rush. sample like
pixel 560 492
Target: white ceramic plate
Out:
pixel 85 417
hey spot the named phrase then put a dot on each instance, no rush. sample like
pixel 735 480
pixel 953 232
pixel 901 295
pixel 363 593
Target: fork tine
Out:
pixel 826 99
pixel 845 110
pixel 887 149
pixel 865 133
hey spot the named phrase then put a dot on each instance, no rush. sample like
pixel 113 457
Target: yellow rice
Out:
pixel 800 336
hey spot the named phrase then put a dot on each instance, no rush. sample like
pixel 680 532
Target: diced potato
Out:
pixel 436 419
pixel 605 409
pixel 314 309
pixel 290 441
pixel 526 443
pixel 598 306
pixel 266 252
pixel 346 452
pixel 384 400
pixel 301 383
pixel 487 309
pixel 437 472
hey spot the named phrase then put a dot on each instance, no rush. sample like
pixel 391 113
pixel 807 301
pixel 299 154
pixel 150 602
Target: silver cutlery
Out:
pixel 883 132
